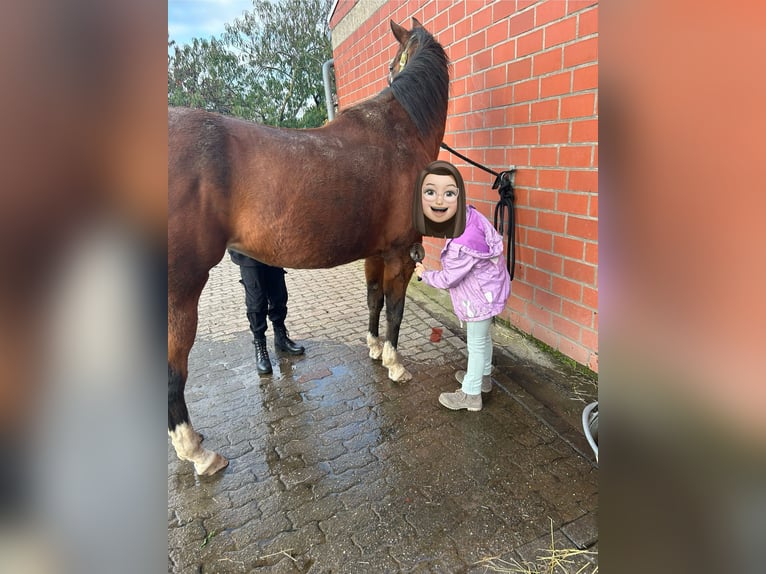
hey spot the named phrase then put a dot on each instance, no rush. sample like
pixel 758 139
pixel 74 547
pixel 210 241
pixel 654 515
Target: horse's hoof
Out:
pixel 216 463
pixel 399 374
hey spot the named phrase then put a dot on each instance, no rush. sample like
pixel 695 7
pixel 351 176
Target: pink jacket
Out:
pixel 473 270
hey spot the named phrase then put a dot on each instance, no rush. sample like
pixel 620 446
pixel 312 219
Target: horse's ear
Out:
pixel 416 23
pixel 400 33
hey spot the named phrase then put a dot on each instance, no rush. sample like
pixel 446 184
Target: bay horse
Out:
pixel 305 199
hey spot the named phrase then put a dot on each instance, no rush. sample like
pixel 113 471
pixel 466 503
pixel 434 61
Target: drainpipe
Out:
pixel 328 89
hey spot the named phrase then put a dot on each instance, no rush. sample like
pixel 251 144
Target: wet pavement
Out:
pixel 335 468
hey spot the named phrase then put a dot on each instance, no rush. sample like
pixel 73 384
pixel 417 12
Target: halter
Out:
pixel 402 59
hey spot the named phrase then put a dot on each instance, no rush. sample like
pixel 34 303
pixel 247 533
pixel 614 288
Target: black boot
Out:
pixel 263 364
pixel 283 343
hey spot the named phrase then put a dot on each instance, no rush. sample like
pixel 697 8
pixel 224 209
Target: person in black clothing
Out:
pixel 265 296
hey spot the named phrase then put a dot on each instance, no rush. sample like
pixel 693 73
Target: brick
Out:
pixel 590 297
pixel 528 90
pixel 482 19
pixel 526 178
pixel 518 114
pixel 476 42
pixel 549 262
pixel 585 131
pixel 577 5
pixel 498 137
pixel 519 156
pixel 547 300
pixel 456 13
pixel 541 332
pixel 581 227
pixel 574 350
pixel 461 104
pixel 575 203
pixel 460 69
pixel 522 290
pixel 539 279
pixel 502 10
pixel 481 138
pixel 560 32
pixel 581 52
pixel 545 110
pixel 539 239
pixel 504 51
pixel 544 156
pixel 577 313
pixel 591 253
pixel 554 133
pixel 570 290
pixel 519 70
pixel 579 105
pixel 575 156
pixel 593 209
pixel 542 199
pixel 481 60
pixel 529 43
pixel 551 221
pixel 548 12
pixel 494 77
pixel 494 118
pixel 552 178
pixel 556 85
pixel 498 33
pixel 580 180
pixel 589 339
pixel 479 101
pixel 567 328
pixel 579 271
pixel 525 135
pixel 547 62
pixel 501 96
pixel 587 22
pixel 521 23
pixel 494 157
pixel 458 49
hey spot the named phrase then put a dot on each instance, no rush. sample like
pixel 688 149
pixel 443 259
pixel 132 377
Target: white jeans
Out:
pixel 479 355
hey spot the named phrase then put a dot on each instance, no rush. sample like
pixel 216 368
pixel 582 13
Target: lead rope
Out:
pixel 504 210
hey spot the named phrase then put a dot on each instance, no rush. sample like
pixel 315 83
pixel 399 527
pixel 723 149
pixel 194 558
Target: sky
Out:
pixel 189 19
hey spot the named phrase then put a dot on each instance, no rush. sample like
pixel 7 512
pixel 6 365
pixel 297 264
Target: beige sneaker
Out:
pixel 459 400
pixel 486 381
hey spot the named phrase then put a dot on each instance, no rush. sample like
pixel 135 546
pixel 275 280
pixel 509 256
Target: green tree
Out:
pixel 267 67
pixel 205 74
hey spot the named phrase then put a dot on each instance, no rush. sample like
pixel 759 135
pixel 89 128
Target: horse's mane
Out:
pixel 422 88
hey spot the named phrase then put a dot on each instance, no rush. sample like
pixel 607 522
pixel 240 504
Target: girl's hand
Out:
pixel 419 268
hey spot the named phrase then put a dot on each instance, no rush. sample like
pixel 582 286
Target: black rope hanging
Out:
pixel 505 217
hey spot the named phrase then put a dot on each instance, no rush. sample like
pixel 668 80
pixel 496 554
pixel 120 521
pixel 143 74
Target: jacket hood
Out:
pixel 480 239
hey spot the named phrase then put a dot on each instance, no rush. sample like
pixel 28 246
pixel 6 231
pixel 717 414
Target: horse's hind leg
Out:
pixel 396 277
pixel 373 271
pixel 182 327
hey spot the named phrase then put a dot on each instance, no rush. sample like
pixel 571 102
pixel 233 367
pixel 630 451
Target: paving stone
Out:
pixel 334 468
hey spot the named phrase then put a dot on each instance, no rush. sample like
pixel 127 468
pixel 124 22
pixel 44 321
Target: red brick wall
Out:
pixel 523 93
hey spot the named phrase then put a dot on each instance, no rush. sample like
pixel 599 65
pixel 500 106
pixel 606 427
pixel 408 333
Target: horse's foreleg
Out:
pixel 182 327
pixel 396 278
pixel 373 271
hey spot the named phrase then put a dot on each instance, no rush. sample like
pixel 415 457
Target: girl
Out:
pixel 473 271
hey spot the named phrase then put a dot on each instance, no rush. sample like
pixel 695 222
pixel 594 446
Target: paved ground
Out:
pixel 334 468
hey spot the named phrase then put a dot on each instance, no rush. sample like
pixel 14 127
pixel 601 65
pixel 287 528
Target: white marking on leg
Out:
pixel 187 444
pixel 376 349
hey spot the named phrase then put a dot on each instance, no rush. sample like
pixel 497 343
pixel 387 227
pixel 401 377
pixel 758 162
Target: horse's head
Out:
pixel 407 47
